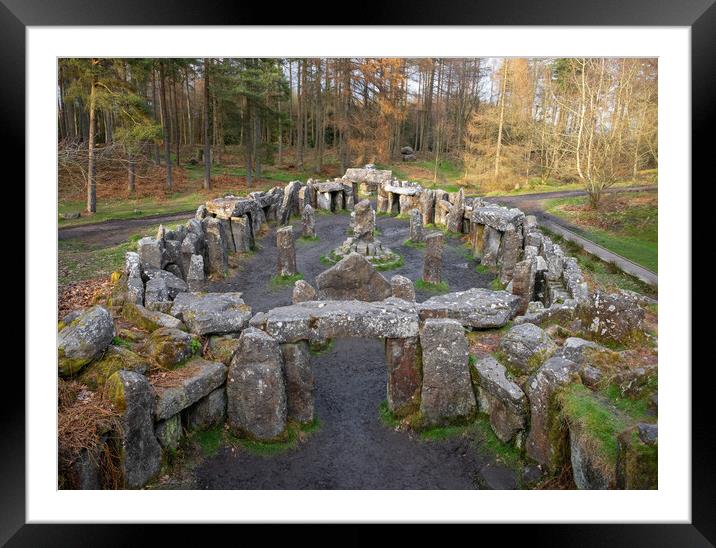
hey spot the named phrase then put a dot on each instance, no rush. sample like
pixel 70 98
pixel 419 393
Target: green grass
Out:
pixel 386 417
pixel 271 448
pixel 537 186
pixel 597 424
pixel 633 233
pixel 284 281
pixel 390 264
pixel 637 409
pixel 308 239
pixel 316 348
pixel 497 285
pixel 416 245
pixel 441 287
pixel 483 269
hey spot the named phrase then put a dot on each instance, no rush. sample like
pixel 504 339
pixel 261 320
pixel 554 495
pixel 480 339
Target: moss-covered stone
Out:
pixel 149 320
pixel 170 347
pixel 638 461
pixel 114 359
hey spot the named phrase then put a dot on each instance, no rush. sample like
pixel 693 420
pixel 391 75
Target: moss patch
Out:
pixel 497 285
pixel 284 281
pixel 209 440
pixel 295 432
pixel 308 239
pixel 416 245
pixel 395 262
pixel 441 287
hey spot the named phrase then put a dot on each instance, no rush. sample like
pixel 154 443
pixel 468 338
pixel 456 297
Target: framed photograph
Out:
pixel 409 270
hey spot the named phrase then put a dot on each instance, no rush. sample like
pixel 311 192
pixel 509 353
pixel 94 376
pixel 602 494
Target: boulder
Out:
pixel 501 398
pixel 447 393
pixel 496 217
pixel 150 253
pixel 286 252
pixel 302 292
pixel 222 347
pixel 156 294
pixel 115 358
pixel 84 340
pixel 433 263
pixel 212 313
pixel 242 234
pixel 612 317
pixel 298 377
pixel 172 286
pixel 510 252
pixel 404 361
pixel 258 320
pixel 217 260
pixel 139 451
pixel 169 432
pixel 580 351
pixel 547 439
pixel 478 308
pixel 208 411
pixel 195 273
pixel 322 320
pixel 185 386
pixel 526 347
pixel 255 390
pixel 352 278
pixel 133 274
pixel 170 347
pixel 407 150
pixel 149 319
pixel 402 288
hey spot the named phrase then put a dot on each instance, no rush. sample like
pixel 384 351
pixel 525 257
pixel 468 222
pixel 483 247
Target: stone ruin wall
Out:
pixel 426 349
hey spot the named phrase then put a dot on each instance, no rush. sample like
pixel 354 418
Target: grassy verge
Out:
pixel 624 224
pixel 441 287
pixel 284 281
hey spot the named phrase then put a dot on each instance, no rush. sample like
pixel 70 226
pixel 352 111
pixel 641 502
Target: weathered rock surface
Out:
pixel 133 273
pixel 478 308
pixel 189 384
pixel 499 218
pixel 242 234
pixel 149 319
pixel 404 361
pixel 173 284
pixel 170 347
pixel 364 226
pixel 402 288
pixel 217 260
pixel 416 226
pixel 321 320
pixel 286 251
pixel 299 380
pixel 447 389
pixel 309 222
pixel 150 253
pixel 454 218
pixel 613 317
pixel 208 411
pixel 501 398
pixel 638 457
pixel 222 347
pixel 84 340
pixel 140 454
pixel 115 358
pixel 433 265
pixel 212 313
pixel 169 432
pixel 526 347
pixel 545 441
pixel 353 277
pixel 302 292
pixel 255 389
pixel 579 350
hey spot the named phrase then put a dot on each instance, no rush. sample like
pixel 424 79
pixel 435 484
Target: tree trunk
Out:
pixel 502 118
pixel 207 148
pixel 131 174
pixel 165 120
pixel 91 171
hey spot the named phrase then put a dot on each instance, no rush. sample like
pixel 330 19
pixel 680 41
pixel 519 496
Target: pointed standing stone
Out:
pixel 286 251
pixel 364 222
pixel 416 226
pixel 309 222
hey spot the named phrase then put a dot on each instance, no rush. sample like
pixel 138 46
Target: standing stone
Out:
pixel 511 252
pixel 403 358
pixel 140 453
pixel 547 438
pixel 286 251
pixel 382 200
pixel 215 248
pixel 201 212
pixel 447 393
pixel 169 432
pixel 364 222
pixel 299 381
pixel 523 283
pixel 196 271
pixel 432 268
pixel 309 222
pixel 302 292
pixel 490 246
pixel 352 278
pixel 323 201
pixel 133 273
pixel 289 205
pixel 242 233
pixel 255 389
pixel 427 206
pixel 416 226
pixel 150 253
pixel 478 242
pixel 84 340
pixel 310 195
pixel 402 288
pixel 454 219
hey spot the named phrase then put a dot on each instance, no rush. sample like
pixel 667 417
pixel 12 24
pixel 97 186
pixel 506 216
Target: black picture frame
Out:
pixel 699 15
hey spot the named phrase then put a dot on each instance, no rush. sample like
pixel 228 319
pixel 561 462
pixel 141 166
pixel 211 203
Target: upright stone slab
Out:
pixel 195 275
pixel 218 262
pixel 133 272
pixel 286 251
pixel 454 219
pixel 140 453
pixel 208 411
pixel 403 358
pixel 478 243
pixel 353 277
pixel 323 201
pixel 243 235
pixel 447 393
pixel 523 283
pixel 289 205
pixel 416 226
pixel 309 222
pixel 364 222
pixel 150 253
pixel 432 267
pixel 510 252
pixel 299 381
pixel 427 206
pixel 302 292
pixel 255 389
pixel 402 288
pixel 382 200
pixel 490 246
